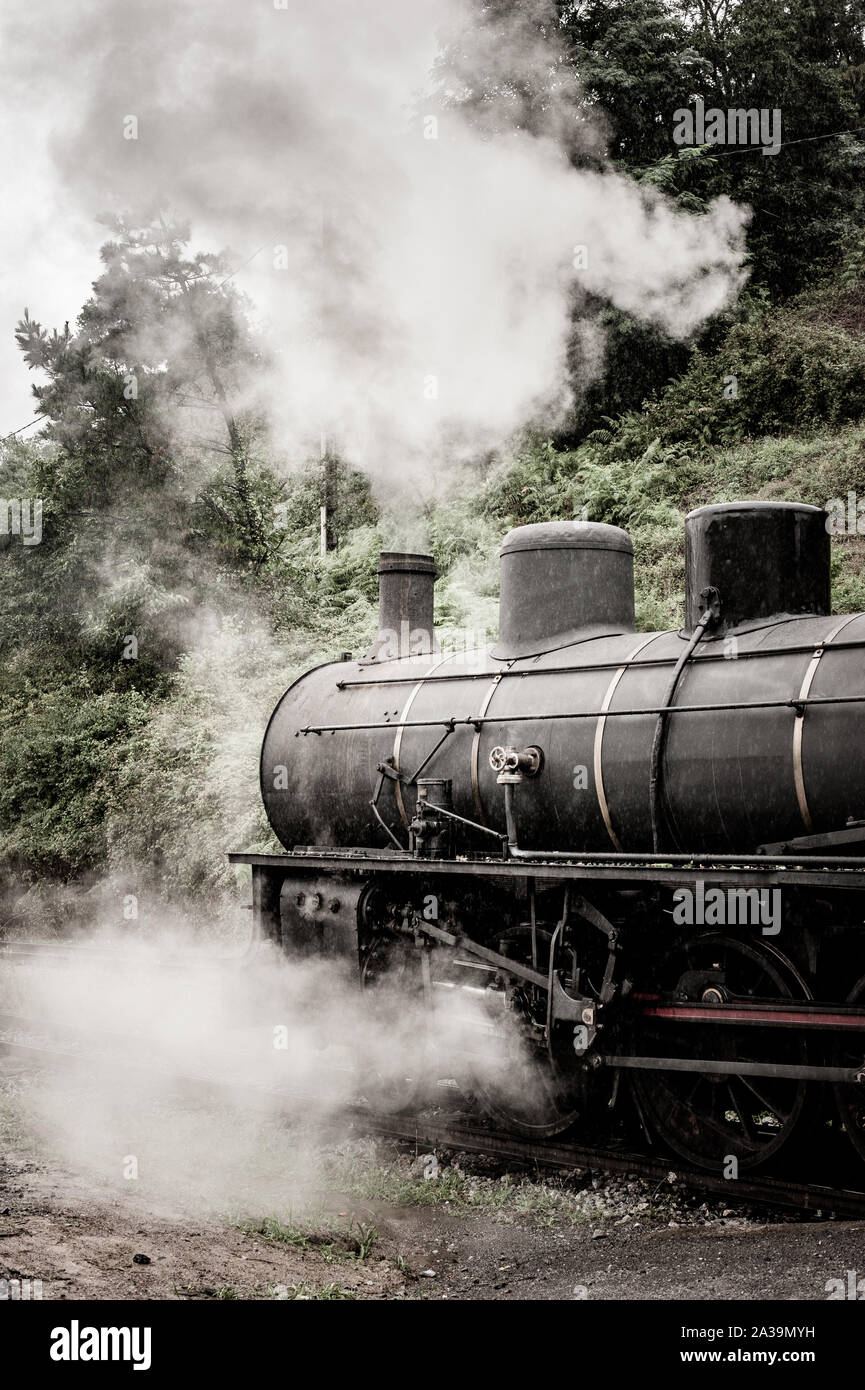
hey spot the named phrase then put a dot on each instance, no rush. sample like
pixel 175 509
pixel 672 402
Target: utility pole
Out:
pixel 327 511
pixel 328 498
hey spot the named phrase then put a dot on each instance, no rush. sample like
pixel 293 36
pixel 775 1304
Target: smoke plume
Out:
pixel 396 182
pixel 181 1060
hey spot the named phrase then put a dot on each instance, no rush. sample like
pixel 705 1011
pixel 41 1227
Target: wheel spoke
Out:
pixel 749 1128
pixel 770 1105
pixel 850 1100
pixel 715 1116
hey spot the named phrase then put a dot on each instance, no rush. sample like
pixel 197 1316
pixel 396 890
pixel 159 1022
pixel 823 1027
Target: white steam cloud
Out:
pixel 175 1058
pixel 414 256
pixel 396 182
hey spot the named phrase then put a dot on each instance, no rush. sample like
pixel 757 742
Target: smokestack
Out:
pixel 562 581
pixel 405 606
pixel 764 558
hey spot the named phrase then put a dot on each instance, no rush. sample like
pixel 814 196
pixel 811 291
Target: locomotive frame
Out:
pixel 729 1039
pixel 318 901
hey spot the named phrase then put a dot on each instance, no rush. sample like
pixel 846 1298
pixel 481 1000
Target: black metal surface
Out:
pixel 477 721
pixel 517 671
pixel 740 871
pixel 752 751
pixel 560 580
pixel 764 558
pixel 405 614
pixel 707 617
pixel 811 844
pixel 657 767
pixel 728 769
pixel 711 1065
pixel 319 916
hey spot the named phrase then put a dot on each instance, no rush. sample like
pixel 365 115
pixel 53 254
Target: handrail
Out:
pixel 477 720
pixel 800 649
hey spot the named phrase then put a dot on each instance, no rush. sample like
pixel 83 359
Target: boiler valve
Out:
pixel 513 764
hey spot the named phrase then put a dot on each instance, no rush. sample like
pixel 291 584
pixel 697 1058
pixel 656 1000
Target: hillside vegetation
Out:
pixel 133 769
pixel 153 779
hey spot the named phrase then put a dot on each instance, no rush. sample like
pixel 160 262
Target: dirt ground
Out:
pixel 81 1241
pixel 128 1181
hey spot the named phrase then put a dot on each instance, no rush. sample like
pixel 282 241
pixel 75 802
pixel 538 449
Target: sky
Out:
pixel 47 259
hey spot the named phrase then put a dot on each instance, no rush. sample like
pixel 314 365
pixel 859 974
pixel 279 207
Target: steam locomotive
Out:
pixel 644 851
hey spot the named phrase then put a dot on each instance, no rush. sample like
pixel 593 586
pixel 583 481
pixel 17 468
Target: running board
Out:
pixel 781 1071
pixel 787 1015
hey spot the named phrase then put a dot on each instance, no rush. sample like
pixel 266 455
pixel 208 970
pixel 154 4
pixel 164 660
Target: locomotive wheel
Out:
pixel 525 1085
pixel 707 1118
pixel 526 1096
pixel 850 1100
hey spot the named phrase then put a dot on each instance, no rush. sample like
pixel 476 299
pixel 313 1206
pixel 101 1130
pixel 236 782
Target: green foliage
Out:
pixel 160 353
pixel 169 515
pixel 649 493
pixel 796 369
pixel 354 1241
pixel 61 760
pixel 642 60
pixel 635 60
pixel 778 374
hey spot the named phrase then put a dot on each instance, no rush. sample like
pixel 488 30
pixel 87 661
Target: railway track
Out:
pixel 28 1040
pixel 817 1199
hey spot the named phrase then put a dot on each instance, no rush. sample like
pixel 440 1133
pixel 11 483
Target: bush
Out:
pixel 61 759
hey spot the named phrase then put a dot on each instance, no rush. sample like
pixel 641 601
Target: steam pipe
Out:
pixel 478 720
pixel 405 616
pixel 611 856
pixel 801 649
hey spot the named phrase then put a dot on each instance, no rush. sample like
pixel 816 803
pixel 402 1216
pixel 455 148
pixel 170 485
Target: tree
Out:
pixel 148 381
pixel 641 60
